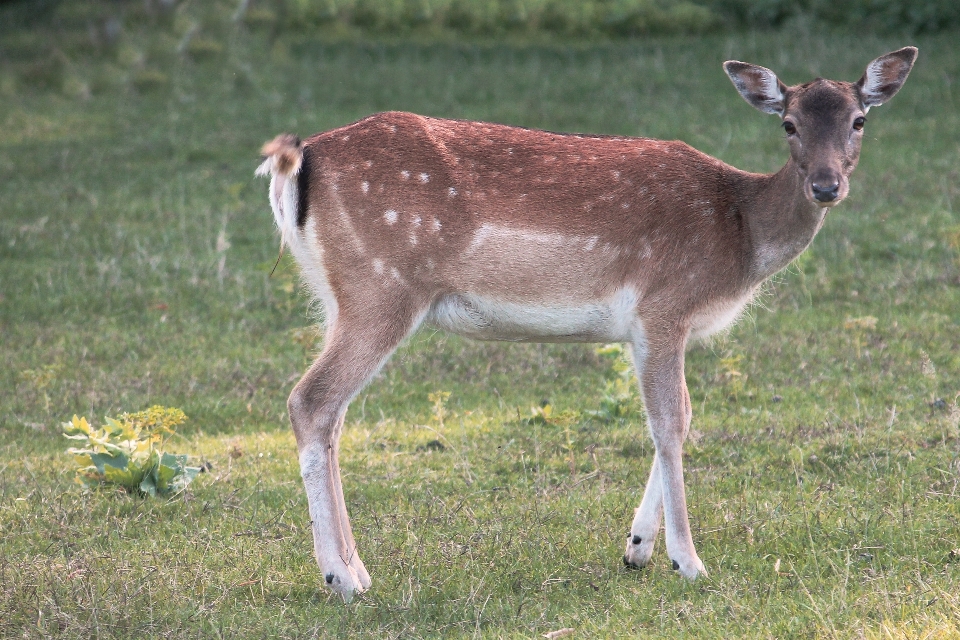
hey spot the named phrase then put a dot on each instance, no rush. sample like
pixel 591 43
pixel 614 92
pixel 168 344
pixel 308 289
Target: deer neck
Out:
pixel 781 222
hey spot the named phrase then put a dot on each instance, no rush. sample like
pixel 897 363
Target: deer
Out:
pixel 495 232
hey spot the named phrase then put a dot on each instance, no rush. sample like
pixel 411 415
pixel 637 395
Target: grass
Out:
pixel 135 247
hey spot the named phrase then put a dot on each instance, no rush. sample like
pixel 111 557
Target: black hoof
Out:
pixel 637 540
pixel 629 565
pixel 676 565
pixel 329 577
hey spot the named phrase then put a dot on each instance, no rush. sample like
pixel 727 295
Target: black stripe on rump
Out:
pixel 303 191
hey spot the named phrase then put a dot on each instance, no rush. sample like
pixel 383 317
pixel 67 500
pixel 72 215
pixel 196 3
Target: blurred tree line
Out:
pixel 578 18
pixel 81 47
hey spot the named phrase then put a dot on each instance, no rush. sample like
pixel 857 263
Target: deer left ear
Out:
pixel 884 76
pixel 758 85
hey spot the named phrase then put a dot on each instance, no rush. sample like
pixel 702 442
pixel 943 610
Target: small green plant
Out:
pixel 127 452
pixel 439 400
pixel 620 398
pixel 860 327
pixel 39 379
pixel 953 241
pixel 733 378
pixel 540 414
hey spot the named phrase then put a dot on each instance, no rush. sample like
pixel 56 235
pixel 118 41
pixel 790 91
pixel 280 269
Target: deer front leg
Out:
pixel 669 412
pixel 646 522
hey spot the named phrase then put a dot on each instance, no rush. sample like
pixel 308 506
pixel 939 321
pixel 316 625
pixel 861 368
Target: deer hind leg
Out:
pixel 353 561
pixel 669 412
pixel 355 349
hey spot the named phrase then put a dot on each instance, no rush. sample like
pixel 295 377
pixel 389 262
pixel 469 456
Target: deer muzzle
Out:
pixel 826 188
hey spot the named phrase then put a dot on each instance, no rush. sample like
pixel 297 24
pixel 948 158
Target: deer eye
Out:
pixel 789 128
pixel 859 122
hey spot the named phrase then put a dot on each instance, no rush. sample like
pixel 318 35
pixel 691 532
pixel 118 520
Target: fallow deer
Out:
pixel 504 233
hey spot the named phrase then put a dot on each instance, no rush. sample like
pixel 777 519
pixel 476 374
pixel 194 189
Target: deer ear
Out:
pixel 885 75
pixel 758 85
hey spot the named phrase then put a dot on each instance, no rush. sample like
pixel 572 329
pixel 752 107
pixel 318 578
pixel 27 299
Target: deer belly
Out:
pixel 484 318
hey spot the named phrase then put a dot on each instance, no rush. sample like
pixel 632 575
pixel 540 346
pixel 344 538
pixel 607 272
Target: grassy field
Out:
pixel 135 247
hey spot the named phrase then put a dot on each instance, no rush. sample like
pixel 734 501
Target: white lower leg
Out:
pixel 317 470
pixel 646 521
pixel 676 523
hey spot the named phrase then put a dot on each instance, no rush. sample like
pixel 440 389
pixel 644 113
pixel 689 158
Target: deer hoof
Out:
pixel 639 550
pixel 691 570
pixel 345 581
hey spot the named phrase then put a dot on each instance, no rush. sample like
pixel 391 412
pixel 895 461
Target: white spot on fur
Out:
pixel 413 238
pixel 451 192
pixel 378 265
pixel 591 243
pixel 365 186
pixel 405 174
pixel 436 224
pixel 390 216
pixel 416 221
pixel 424 178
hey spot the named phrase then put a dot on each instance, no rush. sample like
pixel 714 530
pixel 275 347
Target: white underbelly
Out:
pixel 609 320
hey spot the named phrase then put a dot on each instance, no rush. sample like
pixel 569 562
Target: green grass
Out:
pixel 135 248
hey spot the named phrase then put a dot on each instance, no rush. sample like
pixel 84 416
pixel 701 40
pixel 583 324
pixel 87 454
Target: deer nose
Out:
pixel 825 192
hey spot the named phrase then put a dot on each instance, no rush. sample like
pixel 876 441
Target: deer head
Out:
pixel 824 119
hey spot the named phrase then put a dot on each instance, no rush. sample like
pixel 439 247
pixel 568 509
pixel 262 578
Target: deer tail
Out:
pixel 282 161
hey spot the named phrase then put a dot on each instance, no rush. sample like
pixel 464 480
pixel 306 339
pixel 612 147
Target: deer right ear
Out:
pixel 758 85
